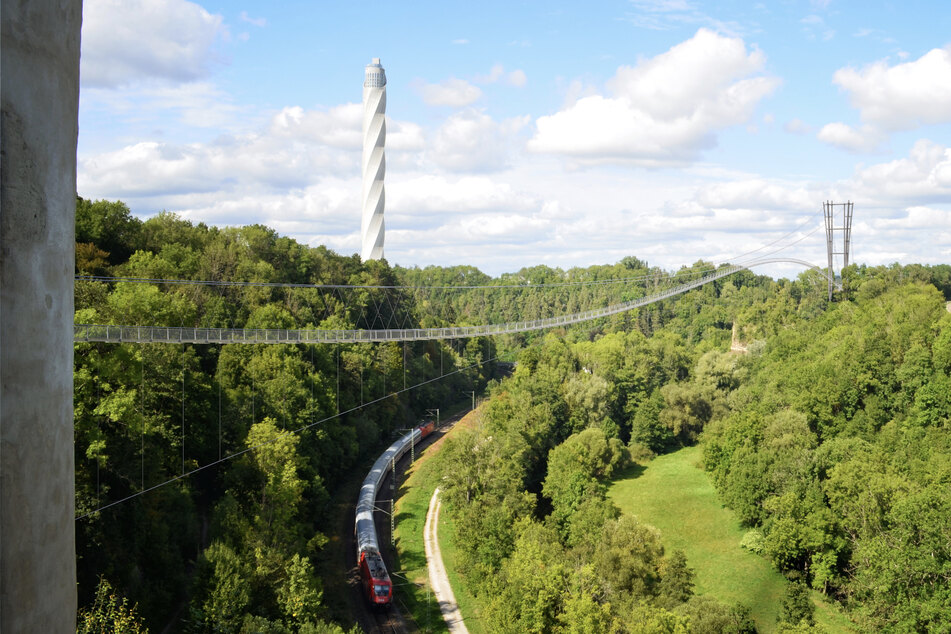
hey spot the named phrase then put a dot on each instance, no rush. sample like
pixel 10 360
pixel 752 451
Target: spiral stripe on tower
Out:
pixel 374 160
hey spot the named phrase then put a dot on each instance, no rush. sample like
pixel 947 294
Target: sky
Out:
pixel 524 133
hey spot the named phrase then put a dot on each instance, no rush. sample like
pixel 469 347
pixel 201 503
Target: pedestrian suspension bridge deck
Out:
pixel 163 334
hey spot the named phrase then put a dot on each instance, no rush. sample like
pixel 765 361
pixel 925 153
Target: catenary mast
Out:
pixel 374 161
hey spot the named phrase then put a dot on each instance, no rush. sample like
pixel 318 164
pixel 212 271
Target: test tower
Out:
pixel 374 161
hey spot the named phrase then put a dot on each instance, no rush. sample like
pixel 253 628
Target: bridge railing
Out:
pixel 162 334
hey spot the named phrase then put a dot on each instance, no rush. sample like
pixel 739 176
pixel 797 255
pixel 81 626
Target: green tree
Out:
pixel 796 607
pixel 299 595
pixel 276 498
pixel 589 401
pixel 688 408
pixel 226 580
pixel 677 580
pixel 708 616
pixel 532 585
pixel 577 469
pixel 108 225
pixel 108 613
pixel 647 428
pixel 583 611
pixel 629 559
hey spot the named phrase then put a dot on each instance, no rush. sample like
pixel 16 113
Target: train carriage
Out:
pixel 376 584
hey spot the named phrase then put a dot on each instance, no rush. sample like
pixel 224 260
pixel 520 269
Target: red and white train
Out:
pixel 377 587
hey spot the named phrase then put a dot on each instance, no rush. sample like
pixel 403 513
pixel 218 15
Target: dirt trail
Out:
pixel 437 571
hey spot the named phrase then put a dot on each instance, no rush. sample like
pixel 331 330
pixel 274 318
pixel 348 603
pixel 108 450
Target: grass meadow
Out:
pixel 673 494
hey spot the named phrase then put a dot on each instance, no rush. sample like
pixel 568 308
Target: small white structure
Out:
pixel 374 161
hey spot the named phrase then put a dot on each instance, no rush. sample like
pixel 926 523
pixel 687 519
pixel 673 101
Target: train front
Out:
pixel 377 587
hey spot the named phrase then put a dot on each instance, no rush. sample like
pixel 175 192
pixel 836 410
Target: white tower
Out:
pixel 374 162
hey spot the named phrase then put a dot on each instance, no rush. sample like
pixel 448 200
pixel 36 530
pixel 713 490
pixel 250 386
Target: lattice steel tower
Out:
pixel 828 209
pixel 374 161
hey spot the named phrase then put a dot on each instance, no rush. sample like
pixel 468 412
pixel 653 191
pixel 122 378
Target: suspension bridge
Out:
pixel 181 334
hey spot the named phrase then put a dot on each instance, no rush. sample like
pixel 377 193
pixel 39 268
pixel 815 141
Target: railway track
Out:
pixel 390 621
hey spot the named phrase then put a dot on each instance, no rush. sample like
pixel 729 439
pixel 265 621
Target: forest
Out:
pixel 228 534
pixel 826 431
pixel 829 436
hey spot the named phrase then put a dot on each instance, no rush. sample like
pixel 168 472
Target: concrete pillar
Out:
pixel 39 70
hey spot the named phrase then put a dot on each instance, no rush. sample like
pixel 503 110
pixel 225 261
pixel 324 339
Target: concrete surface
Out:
pixel 39 53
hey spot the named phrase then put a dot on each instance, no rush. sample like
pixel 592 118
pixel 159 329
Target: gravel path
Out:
pixel 437 571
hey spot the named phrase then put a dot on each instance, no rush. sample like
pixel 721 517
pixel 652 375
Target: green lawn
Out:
pixel 678 498
pixel 411 578
pixel 413 591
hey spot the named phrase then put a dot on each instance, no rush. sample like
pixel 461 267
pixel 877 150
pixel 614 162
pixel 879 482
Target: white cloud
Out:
pixel 199 104
pixel 916 218
pixel 662 6
pixel 797 126
pixel 923 177
pixel 756 193
pixel 902 96
pixel 911 234
pixel 151 169
pixel 328 208
pixel 576 90
pixel 460 41
pixel 494 74
pixel 878 35
pixel 472 141
pixel 451 92
pixel 341 127
pixel 404 136
pixel 503 228
pixel 126 41
pixel 338 127
pixel 664 109
pixel 302 178
pixel 497 73
pixel 295 149
pixel 844 136
pixel 430 195
pixel 659 15
pixel 815 26
pixel 516 78
pixel 259 22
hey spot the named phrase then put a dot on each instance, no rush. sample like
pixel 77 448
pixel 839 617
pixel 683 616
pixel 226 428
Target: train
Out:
pixel 375 581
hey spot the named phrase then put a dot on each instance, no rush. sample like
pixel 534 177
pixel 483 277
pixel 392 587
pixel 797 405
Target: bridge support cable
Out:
pixel 142 408
pixel 153 334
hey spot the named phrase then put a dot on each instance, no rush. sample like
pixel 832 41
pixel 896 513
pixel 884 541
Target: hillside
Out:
pixel 830 437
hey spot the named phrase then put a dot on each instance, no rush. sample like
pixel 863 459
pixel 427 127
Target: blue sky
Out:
pixel 531 133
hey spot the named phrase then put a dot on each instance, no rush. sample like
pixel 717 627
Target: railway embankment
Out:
pixel 415 594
